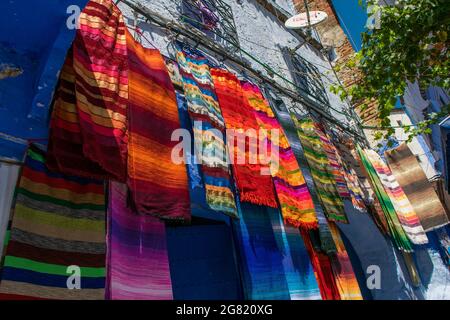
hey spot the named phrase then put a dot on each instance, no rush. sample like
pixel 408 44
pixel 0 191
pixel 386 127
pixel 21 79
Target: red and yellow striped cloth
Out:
pixel 89 126
pixel 158 186
pixel 293 195
pixel 239 117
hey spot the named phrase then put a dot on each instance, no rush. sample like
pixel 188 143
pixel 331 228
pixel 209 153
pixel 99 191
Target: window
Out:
pixel 214 18
pixel 307 77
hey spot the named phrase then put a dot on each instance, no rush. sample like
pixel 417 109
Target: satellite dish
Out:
pixel 301 20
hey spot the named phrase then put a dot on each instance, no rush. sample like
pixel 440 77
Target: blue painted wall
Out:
pixel 34 39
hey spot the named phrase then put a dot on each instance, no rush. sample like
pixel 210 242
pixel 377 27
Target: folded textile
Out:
pixel 158 186
pixel 88 134
pixel 405 212
pixel 293 195
pixel 342 267
pixel 253 186
pixel 396 231
pixel 417 188
pixel 209 129
pixel 57 236
pixel 321 170
pixel 138 263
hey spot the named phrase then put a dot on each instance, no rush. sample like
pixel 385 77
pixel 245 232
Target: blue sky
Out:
pixel 353 19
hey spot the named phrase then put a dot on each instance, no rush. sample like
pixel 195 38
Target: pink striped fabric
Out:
pixel 138 263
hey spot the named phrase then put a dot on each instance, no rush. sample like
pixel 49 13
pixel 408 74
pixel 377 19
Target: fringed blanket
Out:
pixel 138 263
pixel 395 228
pixel 89 128
pixel 299 272
pixel 405 212
pixel 57 234
pixel 295 200
pixel 158 186
pixel 209 129
pixel 417 188
pixel 321 171
pixel 253 186
pixel 342 267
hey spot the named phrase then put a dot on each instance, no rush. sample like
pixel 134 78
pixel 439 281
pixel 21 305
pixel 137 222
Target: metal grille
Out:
pixel 214 18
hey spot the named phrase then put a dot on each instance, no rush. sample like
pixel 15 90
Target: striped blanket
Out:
pixel 158 185
pixel 238 115
pixel 321 170
pixel 405 212
pixel 396 231
pixel 88 127
pixel 137 263
pixel 295 200
pixel 57 233
pixel 208 127
pixel 342 267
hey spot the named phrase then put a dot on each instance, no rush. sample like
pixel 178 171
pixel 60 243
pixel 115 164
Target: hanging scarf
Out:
pixel 238 115
pixel 295 200
pixel 320 169
pixel 208 129
pixel 334 162
pixel 417 188
pixel 57 222
pixel 343 270
pixel 395 229
pixel 158 186
pixel 138 263
pixel 405 212
pixel 88 134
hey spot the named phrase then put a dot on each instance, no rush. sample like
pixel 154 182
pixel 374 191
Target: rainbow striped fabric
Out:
pixel 158 186
pixel 138 262
pixel 58 229
pixel 395 228
pixel 405 212
pixel 293 195
pixel 89 126
pixel 208 128
pixel 238 115
pixel 320 169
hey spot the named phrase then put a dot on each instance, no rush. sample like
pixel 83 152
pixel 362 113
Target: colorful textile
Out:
pixel 138 263
pixel 299 272
pixel 58 221
pixel 295 200
pixel 321 170
pixel 89 128
pixel 334 162
pixel 417 188
pixel 239 118
pixel 322 269
pixel 209 127
pixel 396 231
pixel 342 267
pixel 158 186
pixel 405 212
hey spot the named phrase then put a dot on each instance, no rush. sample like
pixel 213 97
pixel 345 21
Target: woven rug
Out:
pixel 299 272
pixel 396 231
pixel 417 188
pixel 58 221
pixel 138 263
pixel 209 129
pixel 238 115
pixel 405 212
pixel 158 186
pixel 342 267
pixel 321 170
pixel 89 126
pixel 295 200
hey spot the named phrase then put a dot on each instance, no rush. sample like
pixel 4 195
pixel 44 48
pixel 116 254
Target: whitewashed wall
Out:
pixel 260 33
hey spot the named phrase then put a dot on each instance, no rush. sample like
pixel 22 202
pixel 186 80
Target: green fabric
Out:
pixel 397 233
